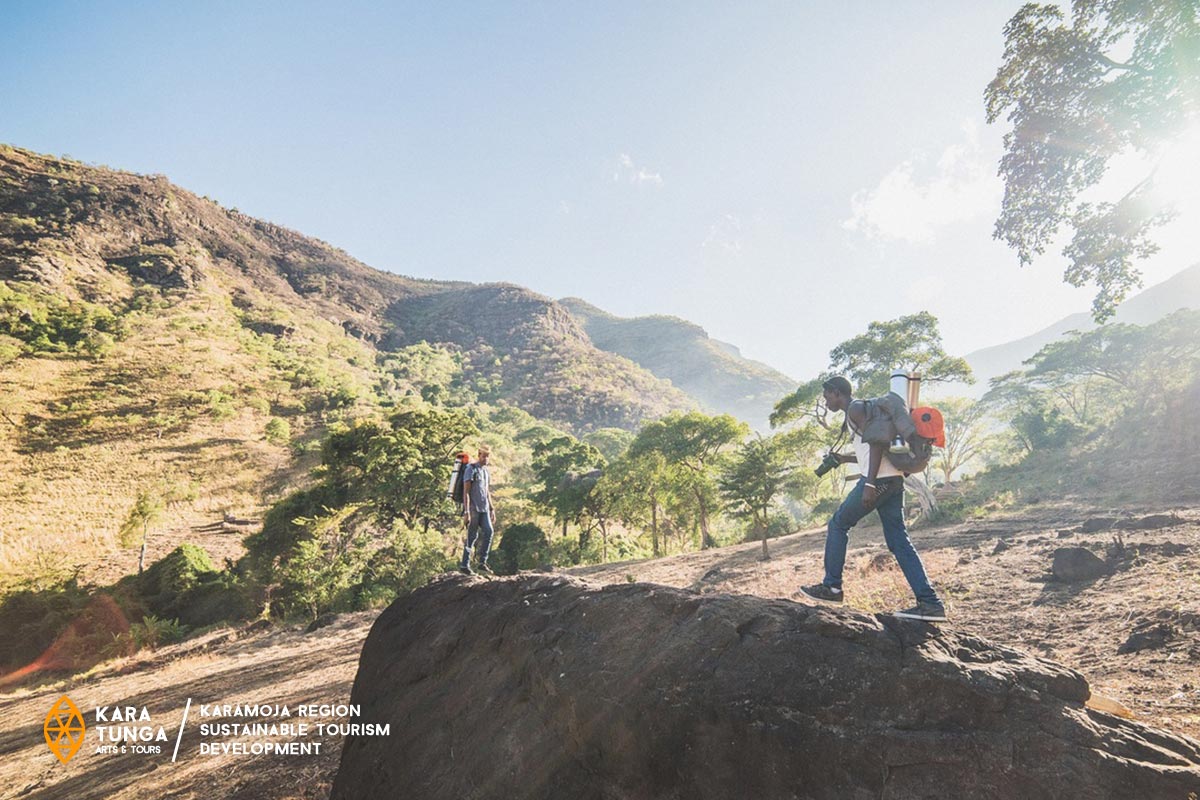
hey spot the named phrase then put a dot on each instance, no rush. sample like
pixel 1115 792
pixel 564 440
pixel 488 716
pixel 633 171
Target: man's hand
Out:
pixel 869 496
pixel 467 518
pixel 492 517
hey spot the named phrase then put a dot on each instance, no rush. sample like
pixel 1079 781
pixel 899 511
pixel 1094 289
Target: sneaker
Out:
pixel 930 612
pixel 466 570
pixel 484 569
pixel 822 593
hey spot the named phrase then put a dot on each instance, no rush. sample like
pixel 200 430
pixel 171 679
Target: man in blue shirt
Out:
pixel 478 512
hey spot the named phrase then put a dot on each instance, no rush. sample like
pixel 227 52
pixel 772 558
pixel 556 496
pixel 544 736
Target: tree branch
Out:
pixel 1108 62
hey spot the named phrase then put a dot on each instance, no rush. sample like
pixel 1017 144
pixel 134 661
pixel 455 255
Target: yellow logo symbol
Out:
pixel 64 729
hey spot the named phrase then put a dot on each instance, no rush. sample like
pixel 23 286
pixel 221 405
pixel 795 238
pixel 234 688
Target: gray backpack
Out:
pixel 886 418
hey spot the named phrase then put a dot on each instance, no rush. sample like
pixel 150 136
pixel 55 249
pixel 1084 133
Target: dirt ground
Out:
pixel 1006 596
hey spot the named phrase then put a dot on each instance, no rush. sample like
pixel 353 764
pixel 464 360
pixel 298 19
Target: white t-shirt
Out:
pixel 862 450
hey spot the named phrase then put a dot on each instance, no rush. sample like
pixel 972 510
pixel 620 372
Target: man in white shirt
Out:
pixel 880 488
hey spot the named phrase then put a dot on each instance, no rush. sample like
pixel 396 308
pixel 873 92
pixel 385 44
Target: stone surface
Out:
pixel 540 687
pixel 1073 564
pixel 1147 636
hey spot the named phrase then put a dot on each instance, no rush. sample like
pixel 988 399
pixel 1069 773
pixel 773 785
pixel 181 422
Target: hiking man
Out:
pixel 880 487
pixel 479 514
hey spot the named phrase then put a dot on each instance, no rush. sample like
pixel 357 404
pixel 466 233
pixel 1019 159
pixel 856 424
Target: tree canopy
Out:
pixel 695 443
pixel 911 343
pixel 1115 77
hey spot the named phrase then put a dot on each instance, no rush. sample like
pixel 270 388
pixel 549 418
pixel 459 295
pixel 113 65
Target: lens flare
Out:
pixel 1177 174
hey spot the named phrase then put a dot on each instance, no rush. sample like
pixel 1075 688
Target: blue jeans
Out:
pixel 480 521
pixel 891 514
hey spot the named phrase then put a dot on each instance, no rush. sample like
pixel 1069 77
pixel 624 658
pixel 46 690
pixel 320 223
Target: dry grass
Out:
pixel 94 433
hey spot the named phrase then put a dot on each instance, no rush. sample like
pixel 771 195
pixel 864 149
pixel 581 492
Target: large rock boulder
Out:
pixel 540 687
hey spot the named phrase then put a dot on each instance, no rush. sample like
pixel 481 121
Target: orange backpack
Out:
pixel 930 424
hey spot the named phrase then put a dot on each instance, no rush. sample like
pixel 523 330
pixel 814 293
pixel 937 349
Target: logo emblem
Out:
pixel 64 729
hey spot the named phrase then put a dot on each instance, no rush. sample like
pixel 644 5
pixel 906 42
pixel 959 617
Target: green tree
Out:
pixel 278 431
pixel 754 478
pixel 397 467
pixel 148 510
pixel 695 443
pixel 363 527
pixel 611 442
pixel 911 343
pixel 1074 101
pixel 1036 422
pixel 566 471
pixel 522 546
pixel 641 486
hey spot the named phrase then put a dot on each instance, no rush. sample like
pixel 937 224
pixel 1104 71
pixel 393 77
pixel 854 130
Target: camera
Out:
pixel 827 463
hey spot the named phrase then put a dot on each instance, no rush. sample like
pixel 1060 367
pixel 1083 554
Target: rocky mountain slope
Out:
pixel 152 341
pixel 713 372
pixel 97 235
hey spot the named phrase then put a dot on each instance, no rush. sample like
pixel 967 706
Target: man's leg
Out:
pixel 472 532
pixel 895 533
pixel 485 540
pixel 838 535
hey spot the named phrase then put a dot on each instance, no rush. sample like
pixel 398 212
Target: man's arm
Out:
pixel 870 492
pixel 857 414
pixel 467 483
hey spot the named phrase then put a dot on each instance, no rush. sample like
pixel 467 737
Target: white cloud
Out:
pixel 913 207
pixel 629 171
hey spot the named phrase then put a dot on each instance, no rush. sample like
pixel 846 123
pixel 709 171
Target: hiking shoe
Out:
pixel 484 569
pixel 930 612
pixel 466 570
pixel 822 593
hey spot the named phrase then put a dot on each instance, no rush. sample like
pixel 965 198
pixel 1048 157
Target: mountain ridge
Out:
pixel 712 371
pixel 1181 290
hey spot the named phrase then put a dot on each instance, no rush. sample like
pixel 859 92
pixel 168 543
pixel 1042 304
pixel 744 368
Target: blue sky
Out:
pixel 780 173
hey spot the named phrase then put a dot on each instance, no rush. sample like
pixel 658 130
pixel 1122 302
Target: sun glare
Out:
pixel 1177 176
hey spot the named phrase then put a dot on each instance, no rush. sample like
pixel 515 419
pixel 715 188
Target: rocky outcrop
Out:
pixel 1073 564
pixel 548 687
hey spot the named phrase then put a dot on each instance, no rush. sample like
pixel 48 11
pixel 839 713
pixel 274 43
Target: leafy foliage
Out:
pixel 757 474
pixel 361 533
pixel 396 467
pixel 567 471
pixel 1074 104
pixel 911 344
pixel 522 546
pixel 695 444
pixel 44 323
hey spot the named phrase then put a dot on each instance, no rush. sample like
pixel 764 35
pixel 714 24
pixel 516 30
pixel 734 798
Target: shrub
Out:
pixel 522 546
pixel 31 620
pixel 278 431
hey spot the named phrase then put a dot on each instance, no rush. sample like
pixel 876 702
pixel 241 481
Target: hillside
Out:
pixel 713 372
pixel 1181 290
pixel 151 340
